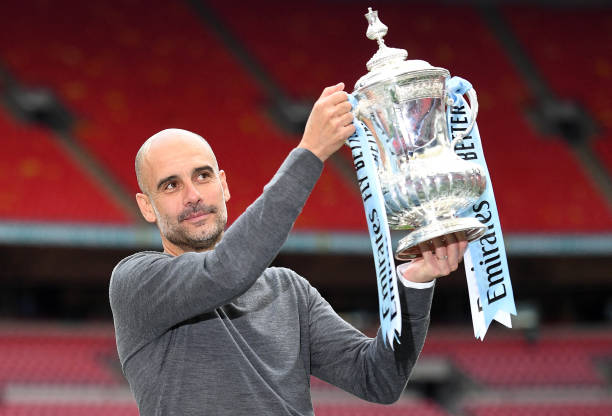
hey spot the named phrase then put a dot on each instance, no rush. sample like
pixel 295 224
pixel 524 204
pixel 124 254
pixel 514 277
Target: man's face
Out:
pixel 186 193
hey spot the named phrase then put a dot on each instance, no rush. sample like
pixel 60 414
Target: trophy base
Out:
pixel 408 248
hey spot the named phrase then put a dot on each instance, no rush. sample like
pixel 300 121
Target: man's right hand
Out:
pixel 330 123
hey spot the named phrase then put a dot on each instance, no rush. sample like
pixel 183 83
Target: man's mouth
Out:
pixel 197 215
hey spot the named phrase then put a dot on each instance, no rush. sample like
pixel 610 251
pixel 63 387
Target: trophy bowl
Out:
pixel 425 185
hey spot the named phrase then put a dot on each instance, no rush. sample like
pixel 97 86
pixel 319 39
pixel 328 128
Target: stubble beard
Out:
pixel 204 238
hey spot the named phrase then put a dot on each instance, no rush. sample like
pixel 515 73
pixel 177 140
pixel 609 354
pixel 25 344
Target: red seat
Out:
pixel 57 358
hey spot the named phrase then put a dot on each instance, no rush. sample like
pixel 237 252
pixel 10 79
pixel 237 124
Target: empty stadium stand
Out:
pixel 57 358
pixel 539 185
pixel 53 409
pixel 577 67
pixel 40 183
pixel 125 69
pixel 540 409
pixel 140 80
pixel 41 364
pixel 125 78
pixel 555 359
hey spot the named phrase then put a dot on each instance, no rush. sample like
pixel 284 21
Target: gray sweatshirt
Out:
pixel 220 333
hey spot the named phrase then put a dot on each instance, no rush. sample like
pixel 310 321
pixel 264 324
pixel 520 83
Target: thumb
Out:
pixel 330 90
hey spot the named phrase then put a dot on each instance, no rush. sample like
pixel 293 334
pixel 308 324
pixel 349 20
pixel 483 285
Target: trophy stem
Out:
pixel 408 247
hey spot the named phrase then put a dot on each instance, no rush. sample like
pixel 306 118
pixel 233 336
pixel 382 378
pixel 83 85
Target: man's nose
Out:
pixel 192 194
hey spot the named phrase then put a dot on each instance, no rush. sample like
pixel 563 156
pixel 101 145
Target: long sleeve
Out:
pixel 365 367
pixel 151 292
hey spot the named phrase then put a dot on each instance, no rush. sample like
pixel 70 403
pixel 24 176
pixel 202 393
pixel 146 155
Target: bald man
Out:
pixel 207 328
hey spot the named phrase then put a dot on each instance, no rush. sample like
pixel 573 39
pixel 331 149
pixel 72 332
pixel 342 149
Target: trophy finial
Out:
pixel 376 28
pixel 376 31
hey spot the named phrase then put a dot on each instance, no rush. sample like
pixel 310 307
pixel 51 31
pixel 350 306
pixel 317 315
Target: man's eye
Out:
pixel 203 176
pixel 170 186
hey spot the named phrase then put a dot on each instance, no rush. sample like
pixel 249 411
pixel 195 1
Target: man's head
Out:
pixel 183 190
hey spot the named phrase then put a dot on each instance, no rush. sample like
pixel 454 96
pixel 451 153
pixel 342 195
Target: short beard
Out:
pixel 207 238
pixel 205 241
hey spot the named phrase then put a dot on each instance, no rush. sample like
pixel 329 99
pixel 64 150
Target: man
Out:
pixel 206 328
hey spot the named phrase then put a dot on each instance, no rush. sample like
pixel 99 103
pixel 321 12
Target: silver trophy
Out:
pixel 424 183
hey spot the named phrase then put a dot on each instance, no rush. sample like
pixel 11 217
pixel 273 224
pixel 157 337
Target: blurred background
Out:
pixel 83 84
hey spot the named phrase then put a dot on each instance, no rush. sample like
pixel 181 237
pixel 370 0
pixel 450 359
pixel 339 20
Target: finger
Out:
pixel 429 258
pixel 342 108
pixel 452 251
pixel 346 119
pixel 463 245
pixel 449 239
pixel 441 255
pixel 460 236
pixel 337 97
pixel 346 131
pixel 462 242
pixel 330 90
pixel 439 248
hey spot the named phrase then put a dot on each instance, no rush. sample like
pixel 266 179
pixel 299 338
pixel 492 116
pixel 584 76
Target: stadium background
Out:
pixel 83 84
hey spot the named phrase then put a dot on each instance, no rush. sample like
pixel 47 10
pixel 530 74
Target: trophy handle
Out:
pixel 473 107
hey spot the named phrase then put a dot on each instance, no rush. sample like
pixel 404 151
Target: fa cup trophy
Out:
pixel 425 185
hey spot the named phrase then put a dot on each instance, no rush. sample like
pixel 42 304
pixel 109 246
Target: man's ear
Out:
pixel 146 209
pixel 226 192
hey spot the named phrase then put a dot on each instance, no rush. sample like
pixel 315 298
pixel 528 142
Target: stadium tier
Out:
pixel 50 409
pixel 126 78
pixel 556 359
pixel 129 69
pixel 63 370
pixel 54 409
pixel 577 63
pixel 539 185
pixel 564 409
pixel 570 408
pixel 58 359
pixel 41 183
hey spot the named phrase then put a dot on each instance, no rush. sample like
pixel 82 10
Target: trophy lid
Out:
pixel 391 62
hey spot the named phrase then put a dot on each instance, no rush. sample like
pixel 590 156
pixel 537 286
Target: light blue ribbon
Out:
pixel 365 158
pixel 490 265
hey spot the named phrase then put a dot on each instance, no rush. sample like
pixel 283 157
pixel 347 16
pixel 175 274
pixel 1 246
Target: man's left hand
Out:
pixel 440 256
